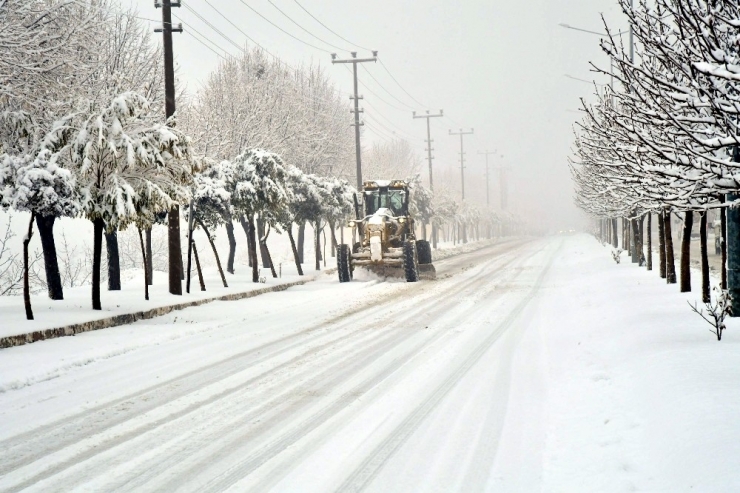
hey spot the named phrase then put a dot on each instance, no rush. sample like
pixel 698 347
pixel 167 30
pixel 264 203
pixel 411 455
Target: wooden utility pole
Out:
pixel 488 191
pixel 429 142
pixel 462 158
pixel 429 155
pixel 354 61
pixel 173 226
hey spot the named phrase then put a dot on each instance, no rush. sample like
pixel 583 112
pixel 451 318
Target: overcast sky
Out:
pixel 496 66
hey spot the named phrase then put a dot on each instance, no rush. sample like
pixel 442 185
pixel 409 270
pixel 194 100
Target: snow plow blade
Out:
pixel 426 271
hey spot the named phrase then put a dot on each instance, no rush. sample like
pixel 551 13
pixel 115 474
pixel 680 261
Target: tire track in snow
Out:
pixel 325 381
pixel 314 421
pixel 48 438
pixel 369 468
pixel 57 436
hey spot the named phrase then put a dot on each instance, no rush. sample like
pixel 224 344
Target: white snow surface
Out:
pixel 531 365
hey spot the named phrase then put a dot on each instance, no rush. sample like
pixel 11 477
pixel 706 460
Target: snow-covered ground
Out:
pixel 531 365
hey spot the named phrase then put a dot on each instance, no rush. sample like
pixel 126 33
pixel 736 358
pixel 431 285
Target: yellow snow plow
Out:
pixel 388 245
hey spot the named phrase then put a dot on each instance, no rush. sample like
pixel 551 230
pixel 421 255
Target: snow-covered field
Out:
pixel 531 365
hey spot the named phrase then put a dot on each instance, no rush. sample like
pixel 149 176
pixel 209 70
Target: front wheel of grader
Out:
pixel 410 261
pixel 344 263
pixel 424 251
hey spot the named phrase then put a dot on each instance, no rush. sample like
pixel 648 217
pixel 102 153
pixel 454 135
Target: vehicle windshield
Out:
pixel 390 199
pixel 396 199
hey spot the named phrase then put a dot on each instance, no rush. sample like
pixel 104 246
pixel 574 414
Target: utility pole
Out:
pixel 429 156
pixel 461 133
pixel 462 158
pixel 429 142
pixel 173 226
pixel 488 191
pixel 354 61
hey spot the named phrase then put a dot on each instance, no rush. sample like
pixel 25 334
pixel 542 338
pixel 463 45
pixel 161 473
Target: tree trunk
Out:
pixel 704 258
pixel 197 266
pixel 26 280
pixel 723 242
pixel 686 252
pixel 301 239
pixel 289 229
pixel 649 241
pixel 636 247
pixel 324 257
pixel 332 227
pixel 670 267
pixel 252 240
pixel 45 225
pixel 149 261
pixel 641 235
pixel 232 245
pixel 264 254
pixel 114 263
pixel 146 270
pixel 215 253
pixel 317 245
pixel 661 245
pixel 250 253
pixel 98 227
pixel 623 236
pixel 615 233
pixel 174 251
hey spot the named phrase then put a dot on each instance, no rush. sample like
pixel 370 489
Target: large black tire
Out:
pixel 424 251
pixel 410 261
pixel 344 263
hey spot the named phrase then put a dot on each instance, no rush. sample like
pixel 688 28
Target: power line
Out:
pixel 377 96
pixel 378 132
pixel 379 113
pixel 197 38
pixel 377 122
pixel 240 30
pixel 283 30
pixel 205 21
pixel 303 28
pixel 234 43
pixel 386 90
pixel 229 55
pixel 329 29
pixel 399 84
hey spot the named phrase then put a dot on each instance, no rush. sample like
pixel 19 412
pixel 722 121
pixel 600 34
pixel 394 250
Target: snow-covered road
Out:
pixel 369 386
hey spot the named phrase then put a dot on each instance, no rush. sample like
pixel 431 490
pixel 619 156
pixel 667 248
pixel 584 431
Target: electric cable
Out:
pixel 329 29
pixel 283 30
pixel 304 29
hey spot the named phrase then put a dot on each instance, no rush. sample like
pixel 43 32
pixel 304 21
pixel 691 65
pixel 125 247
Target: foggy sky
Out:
pixel 498 67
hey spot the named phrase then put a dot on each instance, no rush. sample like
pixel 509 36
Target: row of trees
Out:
pixel 82 135
pixel 664 140
pixel 260 192
pixel 82 132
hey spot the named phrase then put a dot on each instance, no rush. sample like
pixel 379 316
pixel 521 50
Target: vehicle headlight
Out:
pixel 401 219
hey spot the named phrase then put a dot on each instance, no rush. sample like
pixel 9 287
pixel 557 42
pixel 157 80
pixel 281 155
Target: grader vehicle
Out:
pixel 388 245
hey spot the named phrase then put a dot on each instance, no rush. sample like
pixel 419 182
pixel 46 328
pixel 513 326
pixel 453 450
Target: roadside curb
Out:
pixel 128 318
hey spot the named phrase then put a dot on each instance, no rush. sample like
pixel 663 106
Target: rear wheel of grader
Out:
pixel 410 261
pixel 424 251
pixel 344 263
